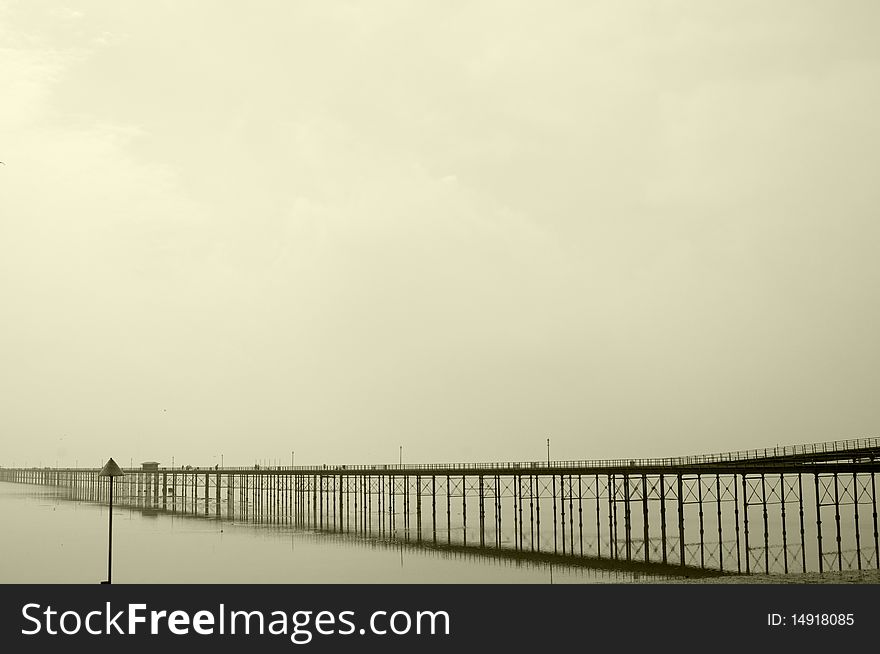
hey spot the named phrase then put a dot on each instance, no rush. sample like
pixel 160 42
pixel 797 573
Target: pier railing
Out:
pixel 743 456
pixel 855 445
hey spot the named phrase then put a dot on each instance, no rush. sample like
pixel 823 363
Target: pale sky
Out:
pixel 245 228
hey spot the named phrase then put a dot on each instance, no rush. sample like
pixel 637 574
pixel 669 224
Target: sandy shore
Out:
pixel 847 577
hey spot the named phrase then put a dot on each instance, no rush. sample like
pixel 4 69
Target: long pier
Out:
pixel 783 509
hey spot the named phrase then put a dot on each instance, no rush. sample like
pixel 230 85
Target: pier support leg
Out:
pixel 700 505
pixel 837 522
pixel 819 523
pixel 663 516
pixel 746 524
pixel 680 520
pixel 801 515
pixel 766 529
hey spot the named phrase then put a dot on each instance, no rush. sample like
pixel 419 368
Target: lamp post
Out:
pixel 548 451
pixel 112 471
pixel 400 456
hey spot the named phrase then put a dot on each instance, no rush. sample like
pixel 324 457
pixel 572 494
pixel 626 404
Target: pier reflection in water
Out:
pixel 50 537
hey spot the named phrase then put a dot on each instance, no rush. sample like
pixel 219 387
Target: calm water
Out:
pixel 47 538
